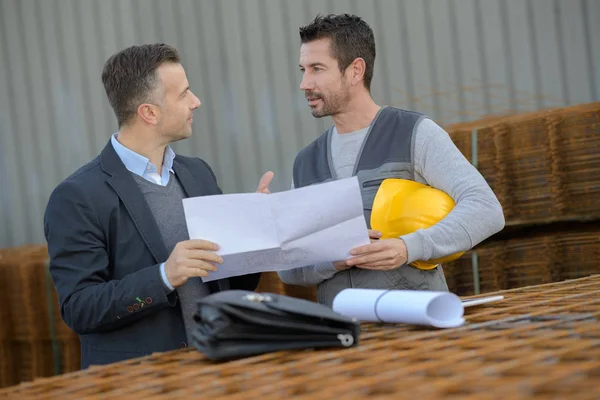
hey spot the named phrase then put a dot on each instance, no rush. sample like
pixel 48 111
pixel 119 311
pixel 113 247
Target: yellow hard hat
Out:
pixel 402 206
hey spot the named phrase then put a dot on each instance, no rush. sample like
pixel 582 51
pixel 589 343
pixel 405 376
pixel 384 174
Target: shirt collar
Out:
pixel 137 163
pixel 168 159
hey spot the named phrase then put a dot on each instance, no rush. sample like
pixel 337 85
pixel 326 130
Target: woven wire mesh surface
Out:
pixel 34 341
pixel 543 166
pixel 530 259
pixel 540 342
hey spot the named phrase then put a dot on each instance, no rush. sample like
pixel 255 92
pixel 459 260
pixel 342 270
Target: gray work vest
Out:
pixel 386 152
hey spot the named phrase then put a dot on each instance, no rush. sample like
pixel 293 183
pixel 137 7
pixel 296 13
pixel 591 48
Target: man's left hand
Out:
pixel 383 254
pixel 265 181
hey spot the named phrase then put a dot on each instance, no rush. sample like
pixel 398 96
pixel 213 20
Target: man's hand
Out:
pixel 379 255
pixel 191 258
pixel 374 235
pixel 265 181
pixel 342 265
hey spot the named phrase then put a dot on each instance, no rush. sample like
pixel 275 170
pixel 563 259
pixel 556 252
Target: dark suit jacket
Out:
pixel 105 251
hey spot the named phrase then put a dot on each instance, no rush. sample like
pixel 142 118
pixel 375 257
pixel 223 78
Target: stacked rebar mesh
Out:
pixel 545 169
pixel 540 342
pixel 34 341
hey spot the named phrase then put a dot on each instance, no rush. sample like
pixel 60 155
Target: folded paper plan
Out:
pixel 272 232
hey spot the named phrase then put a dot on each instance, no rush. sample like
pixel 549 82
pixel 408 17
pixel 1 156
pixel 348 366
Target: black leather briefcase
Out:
pixel 237 323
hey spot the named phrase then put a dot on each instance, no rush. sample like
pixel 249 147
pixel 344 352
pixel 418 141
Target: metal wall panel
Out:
pixel 455 60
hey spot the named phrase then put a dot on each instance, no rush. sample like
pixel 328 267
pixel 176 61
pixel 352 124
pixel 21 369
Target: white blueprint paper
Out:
pixel 271 232
pixel 437 309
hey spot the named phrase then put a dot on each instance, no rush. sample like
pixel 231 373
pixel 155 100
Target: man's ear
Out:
pixel 148 113
pixel 357 71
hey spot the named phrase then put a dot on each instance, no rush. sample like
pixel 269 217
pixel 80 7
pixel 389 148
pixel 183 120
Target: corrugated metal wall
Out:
pixel 455 60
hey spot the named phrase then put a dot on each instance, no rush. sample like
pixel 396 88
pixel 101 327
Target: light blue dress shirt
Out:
pixel 142 166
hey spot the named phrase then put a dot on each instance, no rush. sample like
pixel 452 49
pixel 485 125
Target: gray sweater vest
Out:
pixel 386 153
pixel 166 204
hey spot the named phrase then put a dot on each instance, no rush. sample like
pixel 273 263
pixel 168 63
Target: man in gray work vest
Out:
pixel 337 56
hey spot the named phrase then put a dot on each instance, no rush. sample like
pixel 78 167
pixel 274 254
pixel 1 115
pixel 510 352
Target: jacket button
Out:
pixel 183 344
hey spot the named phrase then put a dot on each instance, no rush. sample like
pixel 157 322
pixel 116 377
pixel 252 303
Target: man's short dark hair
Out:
pixel 350 36
pixel 130 76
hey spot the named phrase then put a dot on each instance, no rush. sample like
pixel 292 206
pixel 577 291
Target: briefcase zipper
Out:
pixel 347 340
pixel 257 298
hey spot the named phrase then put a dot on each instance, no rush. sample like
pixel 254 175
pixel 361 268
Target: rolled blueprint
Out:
pixel 437 309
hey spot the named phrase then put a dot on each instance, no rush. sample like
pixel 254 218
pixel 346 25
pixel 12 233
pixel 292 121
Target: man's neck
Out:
pixel 142 144
pixel 359 114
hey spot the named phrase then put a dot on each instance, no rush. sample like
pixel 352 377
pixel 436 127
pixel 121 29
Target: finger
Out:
pixel 199 264
pixel 199 244
pixel 204 256
pixel 370 258
pixel 196 272
pixel 265 181
pixel 340 265
pixel 368 248
pixel 382 266
pixel 373 234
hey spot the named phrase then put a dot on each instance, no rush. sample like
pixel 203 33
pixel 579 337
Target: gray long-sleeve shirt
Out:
pixel 438 163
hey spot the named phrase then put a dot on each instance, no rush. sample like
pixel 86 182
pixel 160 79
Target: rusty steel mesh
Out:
pixel 540 342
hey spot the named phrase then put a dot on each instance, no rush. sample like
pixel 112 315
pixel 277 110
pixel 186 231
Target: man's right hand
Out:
pixel 343 265
pixel 191 258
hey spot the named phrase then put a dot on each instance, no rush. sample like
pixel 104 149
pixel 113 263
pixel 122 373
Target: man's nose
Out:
pixel 307 83
pixel 196 102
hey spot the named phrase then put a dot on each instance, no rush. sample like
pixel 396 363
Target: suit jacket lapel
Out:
pixel 127 189
pixel 195 189
pixel 187 181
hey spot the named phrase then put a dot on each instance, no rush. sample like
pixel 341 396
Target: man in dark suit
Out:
pixel 126 273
